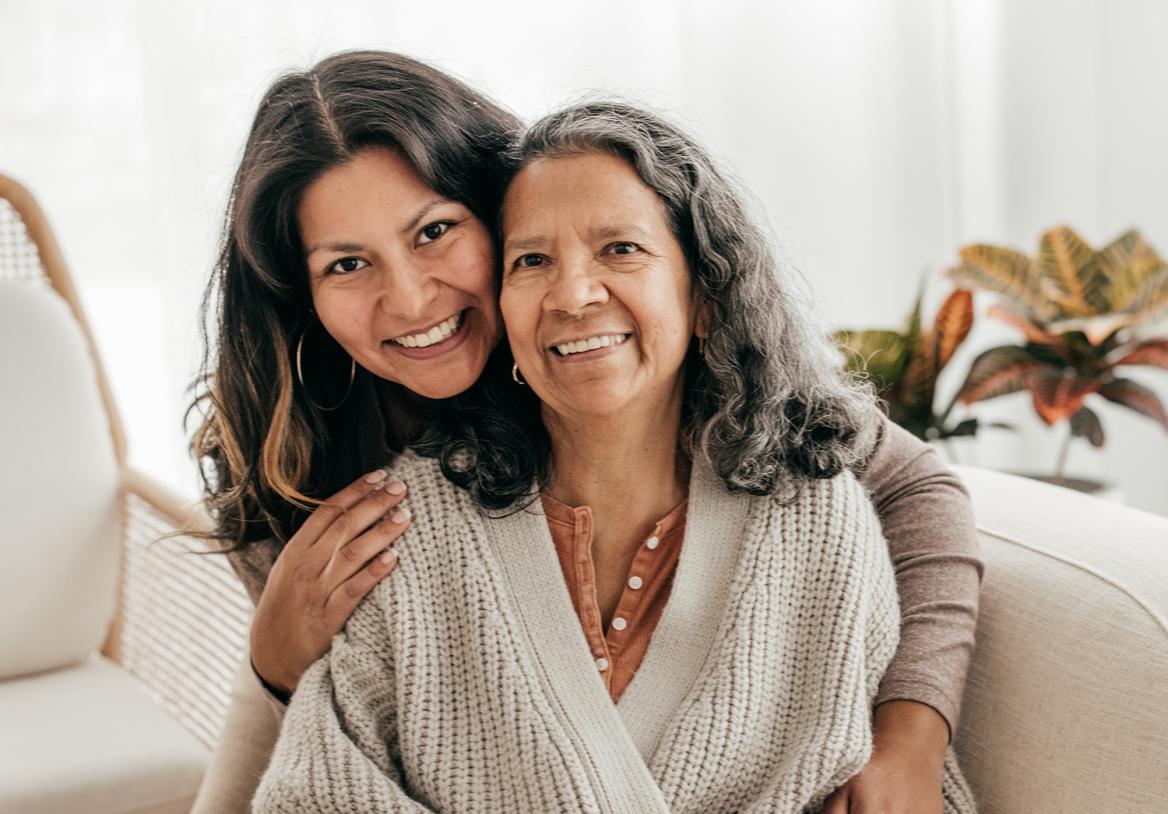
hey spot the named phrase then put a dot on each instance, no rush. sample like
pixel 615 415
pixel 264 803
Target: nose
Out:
pixel 574 287
pixel 406 289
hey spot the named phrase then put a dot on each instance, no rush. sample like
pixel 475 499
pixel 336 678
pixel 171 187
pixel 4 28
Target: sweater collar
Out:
pixel 619 740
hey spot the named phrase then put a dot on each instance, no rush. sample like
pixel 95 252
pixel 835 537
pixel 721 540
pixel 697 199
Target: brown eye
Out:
pixel 433 231
pixel 624 248
pixel 347 265
pixel 530 261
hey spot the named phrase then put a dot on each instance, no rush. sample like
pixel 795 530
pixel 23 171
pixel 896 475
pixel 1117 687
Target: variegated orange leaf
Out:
pixel 1005 272
pixel 1150 302
pixel 952 324
pixel 1129 263
pixel 920 374
pixel 1027 326
pixel 1097 329
pixel 1058 393
pixel 996 372
pixel 1072 274
pixel 1154 352
pixel 1135 396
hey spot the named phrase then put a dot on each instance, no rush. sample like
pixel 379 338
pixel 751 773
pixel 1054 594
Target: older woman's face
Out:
pixel 402 277
pixel 596 293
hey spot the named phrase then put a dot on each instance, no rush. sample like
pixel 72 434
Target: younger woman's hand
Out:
pixel 336 558
pixel 904 773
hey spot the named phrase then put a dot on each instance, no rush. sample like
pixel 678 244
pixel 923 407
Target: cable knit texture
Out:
pixel 464 683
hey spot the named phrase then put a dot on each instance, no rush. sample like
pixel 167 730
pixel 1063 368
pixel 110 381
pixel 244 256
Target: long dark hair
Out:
pixel 765 398
pixel 266 452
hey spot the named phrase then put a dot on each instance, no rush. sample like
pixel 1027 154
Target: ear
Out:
pixel 704 320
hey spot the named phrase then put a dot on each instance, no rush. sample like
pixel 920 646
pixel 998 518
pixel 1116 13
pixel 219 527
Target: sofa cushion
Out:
pixel 58 488
pixel 88 738
pixel 1066 704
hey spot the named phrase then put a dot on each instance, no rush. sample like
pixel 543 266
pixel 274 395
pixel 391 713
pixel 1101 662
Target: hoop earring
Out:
pixel 300 373
pixel 515 374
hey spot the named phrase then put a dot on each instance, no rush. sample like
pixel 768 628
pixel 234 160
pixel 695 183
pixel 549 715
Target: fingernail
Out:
pixel 400 516
pixel 388 557
pixel 376 477
pixel 396 488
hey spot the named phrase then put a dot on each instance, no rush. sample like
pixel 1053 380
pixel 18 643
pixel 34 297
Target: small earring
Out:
pixel 702 347
pixel 516 375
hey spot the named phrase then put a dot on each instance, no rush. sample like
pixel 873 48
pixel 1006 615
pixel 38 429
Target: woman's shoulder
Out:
pixel 837 507
pixel 427 488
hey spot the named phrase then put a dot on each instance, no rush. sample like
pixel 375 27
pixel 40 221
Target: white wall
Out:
pixel 876 135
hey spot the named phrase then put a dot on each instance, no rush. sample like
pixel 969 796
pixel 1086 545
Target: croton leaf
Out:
pixel 1086 424
pixel 952 324
pixel 881 354
pixel 1029 328
pixel 996 372
pixel 1153 352
pixel 1135 396
pixel 1097 329
pixel 1072 273
pixel 1117 255
pixel 920 374
pixel 1129 263
pixel 1058 392
pixel 1150 301
pixel 1006 272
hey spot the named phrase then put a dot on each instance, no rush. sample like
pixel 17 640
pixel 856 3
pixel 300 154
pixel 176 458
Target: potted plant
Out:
pixel 1080 312
pixel 904 365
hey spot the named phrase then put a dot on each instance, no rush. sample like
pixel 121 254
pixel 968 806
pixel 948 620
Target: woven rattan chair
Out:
pixel 176 633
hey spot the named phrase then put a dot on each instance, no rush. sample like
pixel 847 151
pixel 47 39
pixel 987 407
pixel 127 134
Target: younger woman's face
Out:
pixel 402 277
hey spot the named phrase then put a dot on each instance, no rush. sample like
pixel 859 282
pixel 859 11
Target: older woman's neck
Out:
pixel 628 464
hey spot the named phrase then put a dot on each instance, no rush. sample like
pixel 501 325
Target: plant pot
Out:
pixel 1103 490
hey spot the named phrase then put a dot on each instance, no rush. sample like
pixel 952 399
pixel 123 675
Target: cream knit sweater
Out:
pixel 463 683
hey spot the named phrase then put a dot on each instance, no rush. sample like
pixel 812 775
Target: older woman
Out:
pixel 735 598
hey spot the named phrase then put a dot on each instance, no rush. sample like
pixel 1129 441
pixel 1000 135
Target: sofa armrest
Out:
pixel 1066 704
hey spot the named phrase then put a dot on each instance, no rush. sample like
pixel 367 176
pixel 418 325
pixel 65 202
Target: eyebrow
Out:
pixel 627 231
pixel 342 247
pixel 426 209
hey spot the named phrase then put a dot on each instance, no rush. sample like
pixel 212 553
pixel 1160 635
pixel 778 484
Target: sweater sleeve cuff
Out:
pixel 923 694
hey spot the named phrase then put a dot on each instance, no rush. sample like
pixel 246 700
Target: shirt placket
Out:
pixel 586 590
pixel 628 610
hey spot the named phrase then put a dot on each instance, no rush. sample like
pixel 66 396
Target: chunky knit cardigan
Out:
pixel 463 683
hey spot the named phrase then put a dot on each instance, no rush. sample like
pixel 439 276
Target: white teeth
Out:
pixel 591 343
pixel 425 339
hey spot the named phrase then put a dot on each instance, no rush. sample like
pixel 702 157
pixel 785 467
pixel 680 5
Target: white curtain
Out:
pixel 876 136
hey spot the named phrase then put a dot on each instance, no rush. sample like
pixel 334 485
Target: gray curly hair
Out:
pixel 767 394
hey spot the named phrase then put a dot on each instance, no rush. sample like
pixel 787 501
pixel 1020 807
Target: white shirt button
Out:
pixel 602 664
pixel 619 623
pixel 635 583
pixel 652 542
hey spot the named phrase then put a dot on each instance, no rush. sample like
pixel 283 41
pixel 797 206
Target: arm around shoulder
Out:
pixel 927 519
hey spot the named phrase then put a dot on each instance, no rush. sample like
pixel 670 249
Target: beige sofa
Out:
pixel 1066 707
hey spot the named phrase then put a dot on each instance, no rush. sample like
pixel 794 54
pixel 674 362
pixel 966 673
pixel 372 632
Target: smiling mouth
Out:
pixel 590 343
pixel 424 339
